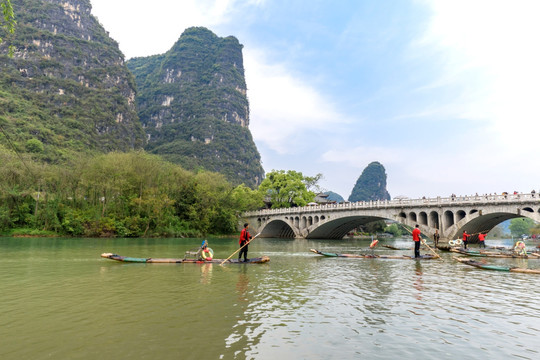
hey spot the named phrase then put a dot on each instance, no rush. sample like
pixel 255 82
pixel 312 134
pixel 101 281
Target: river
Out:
pixel 60 300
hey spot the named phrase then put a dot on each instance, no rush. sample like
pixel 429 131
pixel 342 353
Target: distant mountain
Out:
pixel 66 89
pixel 332 196
pixel 193 106
pixel 371 185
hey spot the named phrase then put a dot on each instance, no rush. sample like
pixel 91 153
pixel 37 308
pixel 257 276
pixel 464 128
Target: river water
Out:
pixel 60 300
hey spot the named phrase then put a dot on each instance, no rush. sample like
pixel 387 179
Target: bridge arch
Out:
pixel 448 219
pixel 460 215
pixel 433 220
pixel 338 227
pixel 278 229
pixel 423 218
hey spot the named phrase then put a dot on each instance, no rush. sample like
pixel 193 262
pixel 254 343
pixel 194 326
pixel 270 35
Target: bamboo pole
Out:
pixel 239 249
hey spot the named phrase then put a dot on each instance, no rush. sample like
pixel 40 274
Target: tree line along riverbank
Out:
pixel 117 195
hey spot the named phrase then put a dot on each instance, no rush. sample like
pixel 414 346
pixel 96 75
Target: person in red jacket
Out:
pixel 465 238
pixel 481 242
pixel 416 239
pixel 245 237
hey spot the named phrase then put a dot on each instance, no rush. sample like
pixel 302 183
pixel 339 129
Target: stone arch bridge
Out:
pixel 450 216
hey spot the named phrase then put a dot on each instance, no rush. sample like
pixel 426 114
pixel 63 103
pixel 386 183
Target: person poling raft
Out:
pixel 417 239
pixel 245 239
pixel 485 266
pixel 373 256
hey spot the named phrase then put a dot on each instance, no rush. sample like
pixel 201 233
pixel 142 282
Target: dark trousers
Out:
pixel 244 251
pixel 481 244
pixel 417 249
pixel 465 243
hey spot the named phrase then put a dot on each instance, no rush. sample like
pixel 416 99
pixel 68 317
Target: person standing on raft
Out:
pixel 481 240
pixel 416 239
pixel 465 239
pixel 436 238
pixel 245 237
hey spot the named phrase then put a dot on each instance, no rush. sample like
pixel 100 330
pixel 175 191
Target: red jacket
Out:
pixel 481 237
pixel 244 236
pixel 416 234
pixel 465 236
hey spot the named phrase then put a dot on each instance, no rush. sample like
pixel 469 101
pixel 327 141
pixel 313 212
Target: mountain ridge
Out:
pixel 193 106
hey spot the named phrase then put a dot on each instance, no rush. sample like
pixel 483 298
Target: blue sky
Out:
pixel 445 94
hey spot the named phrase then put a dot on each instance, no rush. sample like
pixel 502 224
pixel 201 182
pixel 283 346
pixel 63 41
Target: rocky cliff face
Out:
pixel 67 85
pixel 371 185
pixel 193 106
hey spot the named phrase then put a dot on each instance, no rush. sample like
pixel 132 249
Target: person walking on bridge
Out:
pixel 416 239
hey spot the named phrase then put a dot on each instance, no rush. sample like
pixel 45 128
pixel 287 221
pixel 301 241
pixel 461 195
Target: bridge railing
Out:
pixel 398 203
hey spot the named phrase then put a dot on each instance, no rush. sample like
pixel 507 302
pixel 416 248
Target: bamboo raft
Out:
pixel 485 253
pixel 395 248
pixel 111 256
pixel 402 248
pixel 373 256
pixel 484 266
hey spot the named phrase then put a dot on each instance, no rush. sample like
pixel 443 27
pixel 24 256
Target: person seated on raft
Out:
pixel 204 246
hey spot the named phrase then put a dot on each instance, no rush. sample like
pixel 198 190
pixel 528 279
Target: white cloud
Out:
pixel 496 42
pixel 142 28
pixel 284 108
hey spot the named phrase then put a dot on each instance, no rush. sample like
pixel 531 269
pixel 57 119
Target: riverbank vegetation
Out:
pixel 118 194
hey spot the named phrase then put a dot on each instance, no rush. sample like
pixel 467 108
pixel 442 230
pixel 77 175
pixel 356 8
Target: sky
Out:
pixel 444 94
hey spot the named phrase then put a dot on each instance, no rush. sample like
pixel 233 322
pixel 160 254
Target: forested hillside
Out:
pixel 66 89
pixel 192 103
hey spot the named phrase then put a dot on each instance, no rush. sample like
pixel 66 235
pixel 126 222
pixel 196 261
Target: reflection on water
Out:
pixel 418 283
pixel 206 273
pixel 61 300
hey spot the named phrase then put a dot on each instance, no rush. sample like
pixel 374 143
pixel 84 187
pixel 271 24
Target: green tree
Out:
pixel 246 199
pixel 375 227
pixel 521 226
pixel 394 230
pixel 34 146
pixel 285 189
pixel 7 21
pixel 535 230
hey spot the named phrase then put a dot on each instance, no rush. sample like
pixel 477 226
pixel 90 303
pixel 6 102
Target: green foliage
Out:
pixel 393 229
pixel 118 194
pixel 285 189
pixel 371 185
pixel 7 22
pixel 34 146
pixel 535 230
pixel 521 226
pixel 375 227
